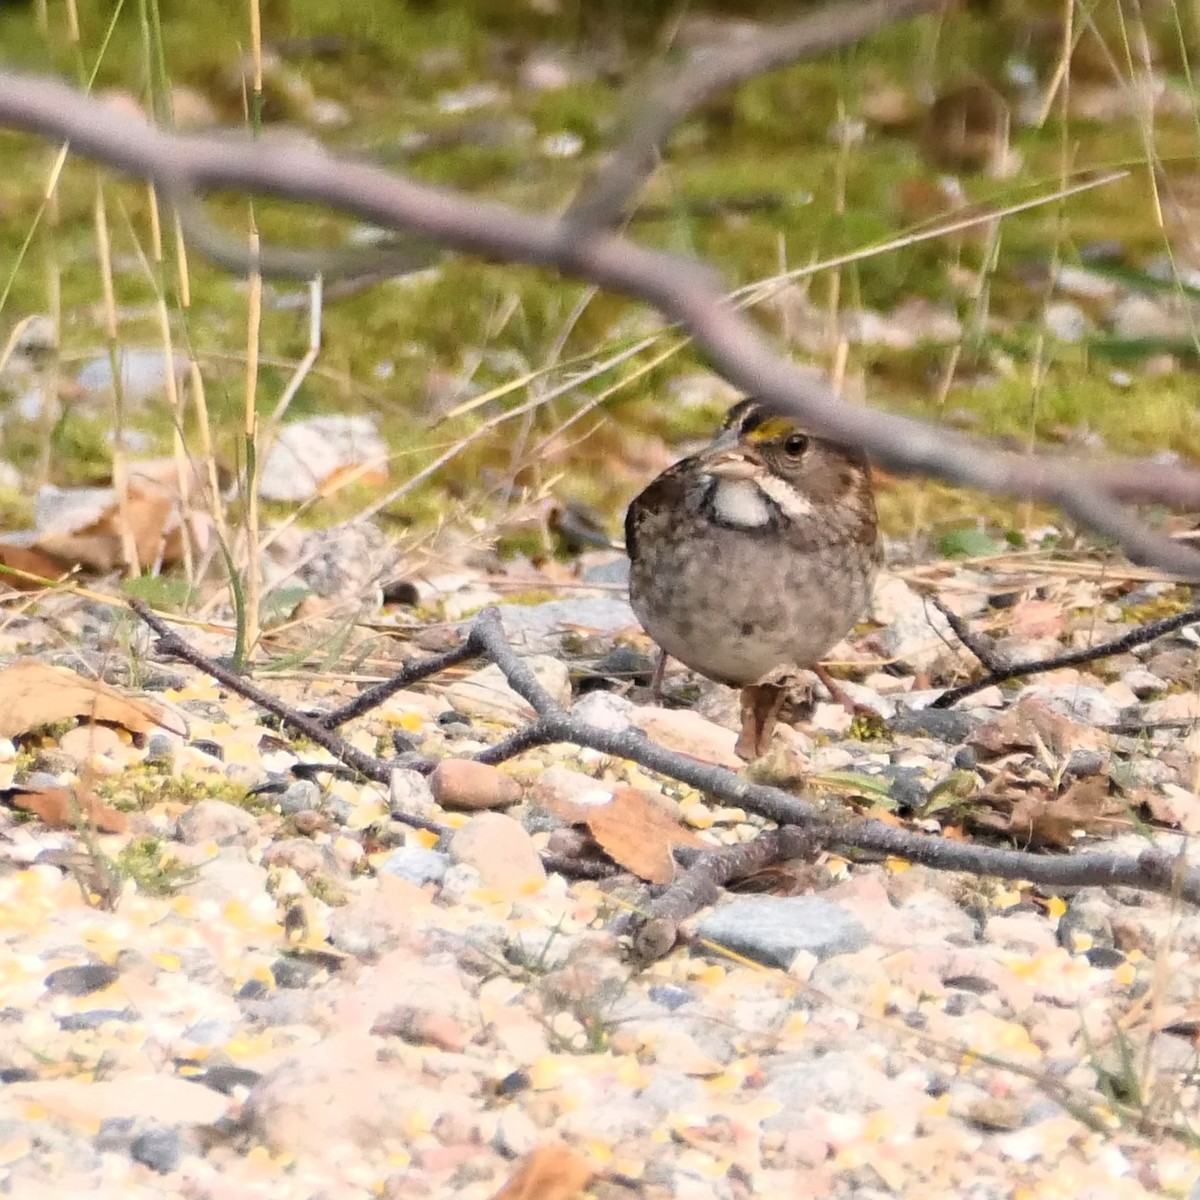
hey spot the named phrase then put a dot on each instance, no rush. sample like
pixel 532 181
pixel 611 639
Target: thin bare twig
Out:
pixel 973 642
pixel 998 672
pixel 1153 870
pixel 172 645
pixel 187 166
pixel 655 928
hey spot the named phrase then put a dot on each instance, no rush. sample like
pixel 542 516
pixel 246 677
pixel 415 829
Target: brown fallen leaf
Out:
pixel 1033 619
pixel 33 694
pixel 638 835
pixel 1031 724
pixel 28 562
pixel 66 808
pixel 634 831
pixel 550 1172
pixel 100 545
pixel 1085 806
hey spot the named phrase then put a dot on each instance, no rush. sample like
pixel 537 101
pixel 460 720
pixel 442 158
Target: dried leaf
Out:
pixel 33 694
pixel 551 1172
pixel 1085 807
pixel 638 835
pixel 1034 619
pixel 30 562
pixel 66 808
pixel 91 527
pixel 1031 724
pixel 100 544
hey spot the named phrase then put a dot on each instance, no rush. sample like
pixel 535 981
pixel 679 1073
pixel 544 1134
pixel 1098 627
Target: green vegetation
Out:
pixel 755 182
pixel 152 867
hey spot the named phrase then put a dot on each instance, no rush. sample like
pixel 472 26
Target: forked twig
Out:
pixel 1000 672
pixel 1154 870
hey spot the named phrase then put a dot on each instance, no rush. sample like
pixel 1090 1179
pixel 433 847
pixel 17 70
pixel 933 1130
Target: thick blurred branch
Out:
pixel 186 168
pixel 603 201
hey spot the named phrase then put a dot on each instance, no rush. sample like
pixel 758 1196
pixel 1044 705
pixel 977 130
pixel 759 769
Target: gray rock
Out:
pixel 143 373
pixel 1137 317
pixel 671 1091
pixel 1143 683
pixel 772 930
pixel 1086 922
pixel 458 883
pixel 540 627
pixel 616 571
pixel 294 972
pixel 1067 321
pixel 80 980
pixel 1077 701
pixel 409 793
pixel 95 1018
pixel 308 859
pixel 416 864
pixel 216 821
pixel 37 340
pixel 945 724
pixel 604 710
pixel 347 562
pixel 160 747
pixel 225 877
pixel 912 629
pixel 485 694
pixel 840 1082
pixel 159 1148
pixel 1085 762
pixel 210 1031
pixel 538 949
pixel 301 795
pixel 115 1134
pixel 627 665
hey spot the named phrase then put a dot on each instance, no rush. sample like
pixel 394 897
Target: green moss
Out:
pixel 152 867
pixel 139 788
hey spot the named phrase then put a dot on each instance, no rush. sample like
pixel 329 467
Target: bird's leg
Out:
pixel 656 681
pixel 761 704
pixel 839 696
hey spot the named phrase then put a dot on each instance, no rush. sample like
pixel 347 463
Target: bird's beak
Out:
pixel 731 464
pixel 728 458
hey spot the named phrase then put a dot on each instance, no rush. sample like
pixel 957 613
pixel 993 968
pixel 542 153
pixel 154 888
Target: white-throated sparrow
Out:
pixel 751 559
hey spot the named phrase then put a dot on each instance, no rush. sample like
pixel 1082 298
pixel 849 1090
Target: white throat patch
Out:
pixel 786 498
pixel 740 503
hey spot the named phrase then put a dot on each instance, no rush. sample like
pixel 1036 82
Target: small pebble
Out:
pixel 81 980
pixel 500 850
pixel 459 784
pixel 216 821
pixel 94 1019
pixel 291 972
pixel 300 795
pixel 160 1149
pixel 416 864
pixel 227 1078
pixel 409 793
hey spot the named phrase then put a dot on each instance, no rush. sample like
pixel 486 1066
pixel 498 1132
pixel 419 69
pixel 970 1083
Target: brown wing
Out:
pixel 659 500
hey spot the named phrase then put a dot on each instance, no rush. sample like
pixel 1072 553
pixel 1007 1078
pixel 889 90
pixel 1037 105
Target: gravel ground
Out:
pixel 264 986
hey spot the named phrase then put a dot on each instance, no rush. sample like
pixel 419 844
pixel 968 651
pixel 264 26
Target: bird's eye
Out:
pixel 795 445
